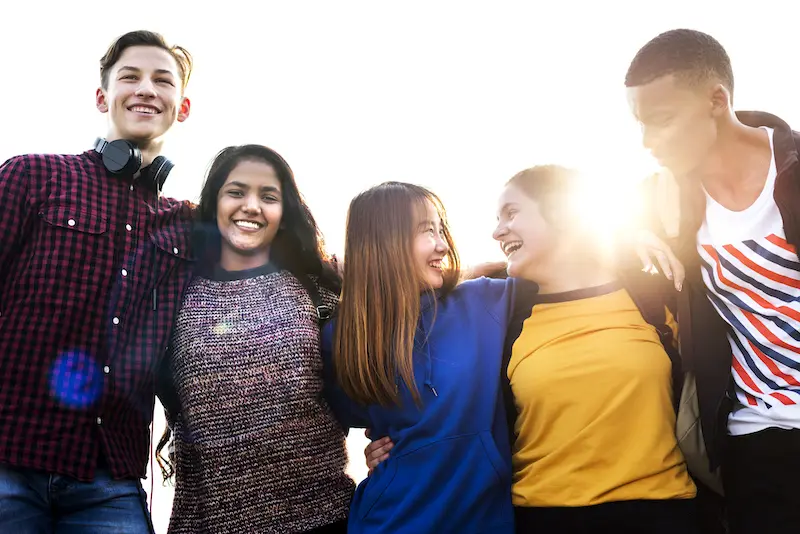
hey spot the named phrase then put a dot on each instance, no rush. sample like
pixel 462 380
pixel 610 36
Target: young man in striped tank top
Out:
pixel 738 179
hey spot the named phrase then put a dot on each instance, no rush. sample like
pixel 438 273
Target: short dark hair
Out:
pixel 144 38
pixel 691 54
pixel 552 187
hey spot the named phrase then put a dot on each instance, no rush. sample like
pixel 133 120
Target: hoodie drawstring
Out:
pixel 428 362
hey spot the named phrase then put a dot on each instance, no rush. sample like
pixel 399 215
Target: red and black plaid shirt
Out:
pixel 81 328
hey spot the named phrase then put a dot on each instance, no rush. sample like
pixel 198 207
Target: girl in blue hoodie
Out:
pixel 414 355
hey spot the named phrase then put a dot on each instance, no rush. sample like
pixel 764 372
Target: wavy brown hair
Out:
pixel 380 302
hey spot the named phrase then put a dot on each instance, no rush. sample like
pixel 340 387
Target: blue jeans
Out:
pixel 33 502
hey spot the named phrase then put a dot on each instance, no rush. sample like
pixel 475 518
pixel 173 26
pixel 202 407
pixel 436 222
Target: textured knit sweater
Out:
pixel 257 447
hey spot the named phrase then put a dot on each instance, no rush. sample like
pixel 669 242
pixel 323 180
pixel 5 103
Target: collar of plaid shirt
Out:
pixel 83 255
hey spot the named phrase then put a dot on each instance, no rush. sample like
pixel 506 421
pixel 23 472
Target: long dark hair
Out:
pixel 297 247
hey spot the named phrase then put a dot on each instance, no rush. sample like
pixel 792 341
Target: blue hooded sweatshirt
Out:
pixel 450 468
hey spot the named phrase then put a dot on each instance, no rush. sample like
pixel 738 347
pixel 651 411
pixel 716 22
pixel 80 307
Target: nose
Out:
pixel 500 231
pixel 648 138
pixel 251 204
pixel 441 244
pixel 146 89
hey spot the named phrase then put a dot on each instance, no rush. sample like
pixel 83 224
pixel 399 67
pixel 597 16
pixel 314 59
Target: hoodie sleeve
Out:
pixel 349 413
pixel 496 295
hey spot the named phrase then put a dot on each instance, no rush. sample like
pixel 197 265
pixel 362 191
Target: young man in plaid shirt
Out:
pixel 92 267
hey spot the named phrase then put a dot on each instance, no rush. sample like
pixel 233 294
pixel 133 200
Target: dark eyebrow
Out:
pixel 137 69
pixel 266 188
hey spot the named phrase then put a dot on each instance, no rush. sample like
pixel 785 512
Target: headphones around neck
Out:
pixel 124 158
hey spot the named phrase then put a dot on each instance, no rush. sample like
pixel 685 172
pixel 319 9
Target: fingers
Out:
pixel 651 246
pixel 377 452
pixel 663 262
pixel 678 272
pixel 644 256
pixel 367 433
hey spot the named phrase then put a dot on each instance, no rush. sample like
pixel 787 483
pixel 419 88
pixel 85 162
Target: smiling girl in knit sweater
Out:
pixel 256 446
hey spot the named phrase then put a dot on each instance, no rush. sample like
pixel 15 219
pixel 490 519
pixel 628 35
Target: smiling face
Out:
pixel 525 237
pixel 249 212
pixel 430 246
pixel 143 97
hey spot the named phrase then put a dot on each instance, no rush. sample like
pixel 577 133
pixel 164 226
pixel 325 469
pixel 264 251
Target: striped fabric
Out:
pixel 753 279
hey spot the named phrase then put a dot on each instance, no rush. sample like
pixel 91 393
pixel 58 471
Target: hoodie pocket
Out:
pixel 501 466
pixel 458 483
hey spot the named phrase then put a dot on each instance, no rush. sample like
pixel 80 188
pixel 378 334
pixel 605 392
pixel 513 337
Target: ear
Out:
pixel 185 108
pixel 100 100
pixel 720 100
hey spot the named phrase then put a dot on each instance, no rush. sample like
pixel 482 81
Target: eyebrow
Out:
pixel 658 112
pixel 137 69
pixel 426 223
pixel 270 188
pixel 505 207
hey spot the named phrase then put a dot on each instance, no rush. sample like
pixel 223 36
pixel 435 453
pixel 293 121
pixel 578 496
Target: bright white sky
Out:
pixel 455 95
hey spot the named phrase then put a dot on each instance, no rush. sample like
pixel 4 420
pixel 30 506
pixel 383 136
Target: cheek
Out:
pixel 527 230
pixel 423 248
pixel 693 134
pixel 533 235
pixel 225 207
pixel 273 213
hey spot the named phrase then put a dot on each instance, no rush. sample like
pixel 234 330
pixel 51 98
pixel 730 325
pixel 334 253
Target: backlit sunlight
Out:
pixel 456 96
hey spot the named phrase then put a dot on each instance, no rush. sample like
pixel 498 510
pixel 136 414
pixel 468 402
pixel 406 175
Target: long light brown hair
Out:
pixel 380 302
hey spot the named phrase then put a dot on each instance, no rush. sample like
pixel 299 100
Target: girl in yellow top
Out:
pixel 595 448
pixel 593 404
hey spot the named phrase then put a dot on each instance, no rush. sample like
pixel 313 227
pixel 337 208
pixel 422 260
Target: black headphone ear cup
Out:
pixel 122 157
pixel 159 170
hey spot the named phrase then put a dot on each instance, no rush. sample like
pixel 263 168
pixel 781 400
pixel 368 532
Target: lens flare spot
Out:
pixel 76 380
pixel 222 328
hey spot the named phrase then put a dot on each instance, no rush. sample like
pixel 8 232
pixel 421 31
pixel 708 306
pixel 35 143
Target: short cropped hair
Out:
pixel 689 54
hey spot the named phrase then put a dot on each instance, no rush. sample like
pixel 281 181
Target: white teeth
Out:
pixel 248 224
pixel 144 109
pixel 511 247
pixel 435 264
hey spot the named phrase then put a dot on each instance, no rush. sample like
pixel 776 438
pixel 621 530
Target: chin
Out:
pixel 436 283
pixel 141 135
pixel 514 269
